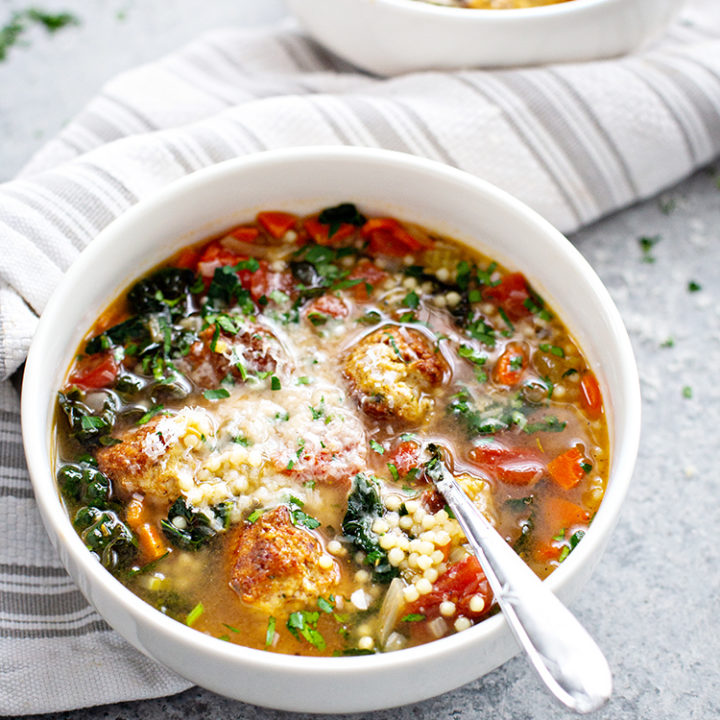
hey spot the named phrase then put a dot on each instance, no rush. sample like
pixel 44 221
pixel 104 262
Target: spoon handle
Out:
pixel 563 653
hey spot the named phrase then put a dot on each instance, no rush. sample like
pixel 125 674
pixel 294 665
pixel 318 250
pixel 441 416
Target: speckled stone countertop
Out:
pixel 652 603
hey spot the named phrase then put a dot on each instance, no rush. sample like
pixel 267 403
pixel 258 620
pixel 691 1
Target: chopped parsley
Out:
pixel 219 394
pixel 694 287
pixel 411 300
pixel 303 623
pixel 194 614
pixel 150 414
pixel 553 349
pixel 377 447
pixel 275 383
pixel 687 392
pixel 270 632
pixel 413 617
pixel 299 517
pixel 647 243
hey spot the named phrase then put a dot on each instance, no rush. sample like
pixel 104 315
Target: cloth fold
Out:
pixel 574 141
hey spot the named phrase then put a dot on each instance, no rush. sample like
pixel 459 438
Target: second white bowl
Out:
pixel 389 37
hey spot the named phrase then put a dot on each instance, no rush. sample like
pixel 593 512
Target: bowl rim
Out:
pixel 38 449
pixel 507 15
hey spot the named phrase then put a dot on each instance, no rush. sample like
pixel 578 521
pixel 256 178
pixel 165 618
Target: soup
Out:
pixel 243 436
pixel 496 4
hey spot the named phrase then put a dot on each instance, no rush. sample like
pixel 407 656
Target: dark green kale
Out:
pixel 88 427
pixel 106 536
pixel 363 508
pixel 165 288
pixel 196 527
pixel 226 290
pixel 345 213
pixel 82 483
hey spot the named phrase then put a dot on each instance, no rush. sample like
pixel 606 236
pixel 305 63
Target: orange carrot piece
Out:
pixel 244 233
pixel 563 513
pixel 567 468
pixel 135 512
pixel 277 223
pixel 545 552
pixel 152 544
pixel 590 395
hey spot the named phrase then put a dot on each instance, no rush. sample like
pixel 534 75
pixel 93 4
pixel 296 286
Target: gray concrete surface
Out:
pixel 652 604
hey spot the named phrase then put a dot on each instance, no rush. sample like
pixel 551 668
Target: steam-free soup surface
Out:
pixel 245 434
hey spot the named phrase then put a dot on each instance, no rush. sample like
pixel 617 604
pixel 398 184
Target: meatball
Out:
pixel 275 566
pixel 151 459
pixel 392 372
pixel 252 350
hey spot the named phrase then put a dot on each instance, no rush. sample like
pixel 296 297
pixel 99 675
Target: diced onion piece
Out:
pixel 437 627
pixel 392 604
pixel 360 599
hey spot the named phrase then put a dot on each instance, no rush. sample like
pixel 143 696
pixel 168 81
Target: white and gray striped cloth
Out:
pixel 574 141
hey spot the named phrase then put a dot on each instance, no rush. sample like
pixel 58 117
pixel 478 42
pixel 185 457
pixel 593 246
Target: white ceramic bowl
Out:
pixel 389 37
pixel 303 180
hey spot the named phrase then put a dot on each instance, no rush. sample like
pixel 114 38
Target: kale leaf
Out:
pixel 106 536
pixel 163 288
pixel 363 508
pixel 83 483
pixel 196 527
pixel 88 427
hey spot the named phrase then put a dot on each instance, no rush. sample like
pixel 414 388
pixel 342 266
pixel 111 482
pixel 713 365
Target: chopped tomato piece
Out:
pixel 513 466
pixel 320 232
pixel 563 513
pixel 277 223
pixel 405 457
pixel 458 584
pixel 188 258
pixel 567 469
pixel 388 237
pixel 325 306
pixel 95 371
pixel 511 294
pixel 215 256
pixel 590 396
pixel 245 233
pixel 511 365
pixel 369 273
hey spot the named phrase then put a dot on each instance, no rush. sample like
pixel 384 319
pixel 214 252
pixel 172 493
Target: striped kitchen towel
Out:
pixel 575 142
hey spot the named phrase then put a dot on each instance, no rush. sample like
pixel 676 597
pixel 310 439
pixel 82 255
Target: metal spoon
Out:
pixel 558 646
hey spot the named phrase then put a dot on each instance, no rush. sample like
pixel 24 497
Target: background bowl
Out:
pixel 303 180
pixel 389 37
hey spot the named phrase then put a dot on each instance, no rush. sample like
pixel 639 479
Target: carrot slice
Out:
pixel 590 395
pixel 244 233
pixel 277 223
pixel 545 552
pixel 567 468
pixel 563 513
pixel 151 542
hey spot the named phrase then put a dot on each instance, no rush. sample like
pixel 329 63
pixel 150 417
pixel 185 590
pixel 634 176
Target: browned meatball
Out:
pixel 150 459
pixel 275 565
pixel 392 372
pixel 208 362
